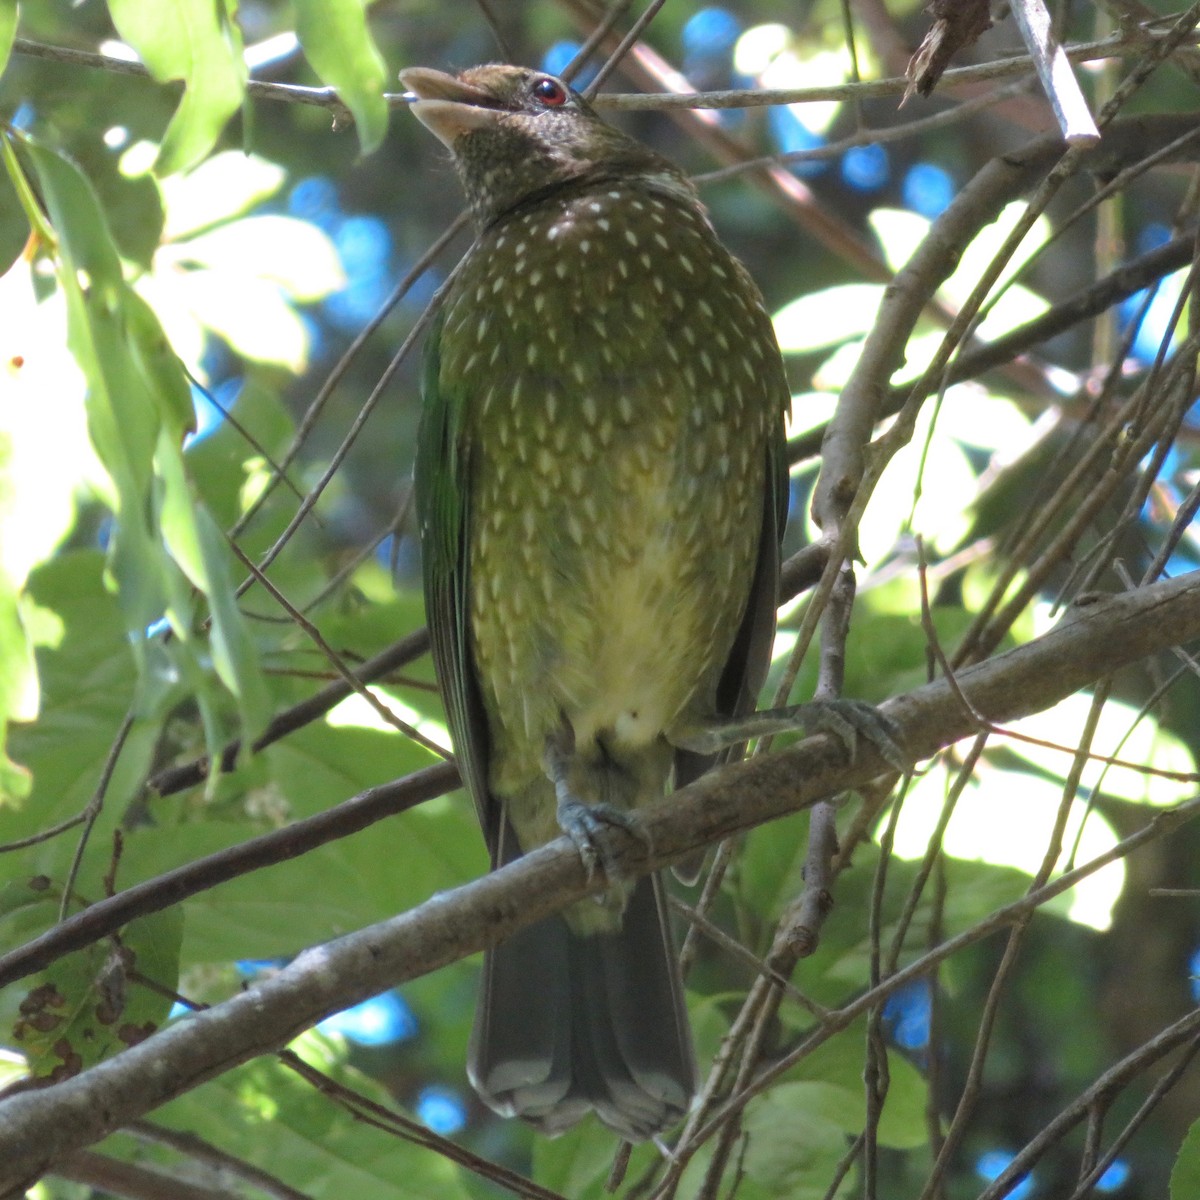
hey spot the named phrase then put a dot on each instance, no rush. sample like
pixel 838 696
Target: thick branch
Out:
pixel 39 1128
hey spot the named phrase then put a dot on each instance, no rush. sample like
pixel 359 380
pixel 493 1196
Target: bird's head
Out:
pixel 517 134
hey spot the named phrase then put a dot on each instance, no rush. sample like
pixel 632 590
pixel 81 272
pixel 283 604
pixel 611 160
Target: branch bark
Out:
pixel 40 1128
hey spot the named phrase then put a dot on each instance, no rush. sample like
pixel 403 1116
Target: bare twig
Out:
pixel 403 652
pixel 92 813
pixel 335 376
pixel 356 427
pixel 1183 1031
pixel 1054 70
pixel 215 1158
pixel 1120 45
pixel 626 44
pixel 335 660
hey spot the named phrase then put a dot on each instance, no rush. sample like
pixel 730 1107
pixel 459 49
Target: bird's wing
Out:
pixel 442 487
pixel 750 657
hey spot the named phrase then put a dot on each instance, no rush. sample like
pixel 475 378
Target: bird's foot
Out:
pixel 588 825
pixel 847 720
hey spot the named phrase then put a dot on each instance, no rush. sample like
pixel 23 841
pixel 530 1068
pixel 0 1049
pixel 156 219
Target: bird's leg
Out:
pixel 847 720
pixel 585 824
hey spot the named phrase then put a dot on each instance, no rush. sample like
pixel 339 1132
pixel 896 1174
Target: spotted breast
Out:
pixel 614 354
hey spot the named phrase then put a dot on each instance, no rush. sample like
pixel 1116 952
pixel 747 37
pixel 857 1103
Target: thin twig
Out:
pixel 1133 1064
pixel 1119 45
pixel 92 813
pixel 603 28
pixel 624 46
pixel 356 426
pixel 289 720
pixel 213 1156
pixel 335 660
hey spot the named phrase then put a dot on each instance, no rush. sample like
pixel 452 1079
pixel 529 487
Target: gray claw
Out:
pixel 847 720
pixel 586 825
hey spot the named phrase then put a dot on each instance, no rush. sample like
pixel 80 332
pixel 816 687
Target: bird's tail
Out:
pixel 568 1023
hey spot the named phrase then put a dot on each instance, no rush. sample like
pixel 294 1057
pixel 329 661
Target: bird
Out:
pixel 601 491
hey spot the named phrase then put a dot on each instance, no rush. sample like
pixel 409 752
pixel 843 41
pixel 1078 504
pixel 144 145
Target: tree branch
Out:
pixel 131 1180
pixel 1120 45
pixel 40 1127
pixel 107 916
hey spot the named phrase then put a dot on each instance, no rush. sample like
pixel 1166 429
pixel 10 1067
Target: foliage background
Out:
pixel 261 269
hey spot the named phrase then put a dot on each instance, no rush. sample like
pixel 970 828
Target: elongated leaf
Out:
pixel 8 30
pixel 220 188
pixel 197 42
pixel 139 407
pixel 89 1006
pixel 1185 1177
pixel 270 1117
pixel 122 417
pixel 337 42
pixel 199 548
pixel 296 256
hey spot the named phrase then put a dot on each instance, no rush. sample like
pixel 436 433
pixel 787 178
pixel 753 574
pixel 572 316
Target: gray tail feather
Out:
pixel 567 1024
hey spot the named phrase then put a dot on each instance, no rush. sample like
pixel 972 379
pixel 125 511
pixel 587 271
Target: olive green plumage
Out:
pixel 601 492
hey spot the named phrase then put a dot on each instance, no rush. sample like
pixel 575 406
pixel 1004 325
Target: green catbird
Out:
pixel 601 492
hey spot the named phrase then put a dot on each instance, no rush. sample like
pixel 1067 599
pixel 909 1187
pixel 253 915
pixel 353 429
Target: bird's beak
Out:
pixel 447 106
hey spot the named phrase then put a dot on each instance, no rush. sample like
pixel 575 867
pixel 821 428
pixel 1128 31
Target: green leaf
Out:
pixel 139 407
pixel 1185 1175
pixel 934 483
pixel 122 417
pixel 8 30
pixel 87 679
pixel 87 682
pixel 220 188
pixel 376 873
pixel 158 365
pixel 18 689
pixel 1004 818
pixel 578 1163
pixel 828 317
pixel 831 1077
pixel 202 553
pixel 268 1116
pixel 769 870
pixel 784 1161
pixel 338 43
pixel 234 655
pixel 198 42
pixel 92 1004
pixel 251 314
pixel 1120 733
pixel 900 233
pixel 18 672
pixel 296 256
pixel 842 968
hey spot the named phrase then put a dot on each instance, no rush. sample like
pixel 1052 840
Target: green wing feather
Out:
pixel 443 500
pixel 750 656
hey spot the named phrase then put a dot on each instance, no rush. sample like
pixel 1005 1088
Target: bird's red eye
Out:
pixel 550 92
